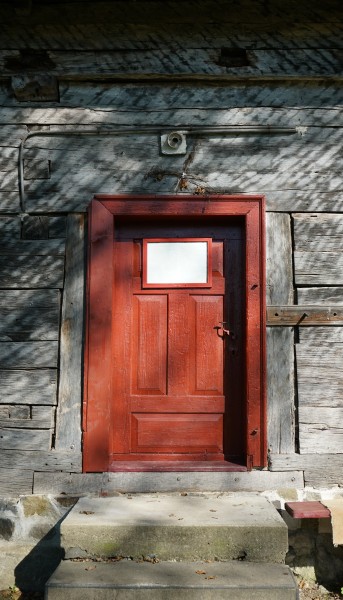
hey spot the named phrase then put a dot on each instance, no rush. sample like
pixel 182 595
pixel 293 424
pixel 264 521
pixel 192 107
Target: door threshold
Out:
pixel 159 466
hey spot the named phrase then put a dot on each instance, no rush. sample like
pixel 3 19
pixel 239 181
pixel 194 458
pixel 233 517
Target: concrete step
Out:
pixel 175 527
pixel 128 580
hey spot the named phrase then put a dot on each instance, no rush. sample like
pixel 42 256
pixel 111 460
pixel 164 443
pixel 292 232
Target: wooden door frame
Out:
pixel 98 365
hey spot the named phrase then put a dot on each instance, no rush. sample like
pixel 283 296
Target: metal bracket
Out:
pixel 173 143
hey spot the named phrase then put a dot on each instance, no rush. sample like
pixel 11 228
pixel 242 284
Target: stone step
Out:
pixel 129 580
pixel 175 527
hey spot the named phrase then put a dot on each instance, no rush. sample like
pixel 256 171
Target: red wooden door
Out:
pixel 161 382
pixel 168 353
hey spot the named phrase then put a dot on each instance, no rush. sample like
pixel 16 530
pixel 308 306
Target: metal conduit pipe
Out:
pixel 215 130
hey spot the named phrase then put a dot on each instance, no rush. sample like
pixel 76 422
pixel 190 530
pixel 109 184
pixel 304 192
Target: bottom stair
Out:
pixel 130 580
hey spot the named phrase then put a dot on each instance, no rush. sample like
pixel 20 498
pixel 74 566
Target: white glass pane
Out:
pixel 177 262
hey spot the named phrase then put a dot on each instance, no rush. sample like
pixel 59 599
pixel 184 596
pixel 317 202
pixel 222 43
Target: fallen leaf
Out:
pixel 90 568
pixel 212 510
pixel 86 512
pixel 210 577
pixel 200 572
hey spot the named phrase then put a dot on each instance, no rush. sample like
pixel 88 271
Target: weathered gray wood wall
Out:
pixel 98 65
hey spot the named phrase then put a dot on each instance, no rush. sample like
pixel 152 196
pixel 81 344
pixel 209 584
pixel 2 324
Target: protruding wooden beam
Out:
pixel 304 316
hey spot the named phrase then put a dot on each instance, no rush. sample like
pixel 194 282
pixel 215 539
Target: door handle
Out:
pixel 221 331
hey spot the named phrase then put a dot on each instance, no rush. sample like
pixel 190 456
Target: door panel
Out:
pixel 170 384
pixel 183 433
pixel 149 356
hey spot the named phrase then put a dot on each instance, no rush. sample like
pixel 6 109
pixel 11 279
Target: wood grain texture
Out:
pixel 279 259
pixel 9 202
pixel 26 272
pixel 319 373
pixel 318 249
pixel 323 470
pixel 67 483
pixel 106 483
pixel 25 439
pixel 19 481
pixel 271 63
pixel 29 315
pixel 40 460
pixel 320 295
pixel 252 481
pixel 9 411
pixel 10 227
pixel 280 382
pixel 28 355
pixel 42 417
pixel 318 268
pixel 68 423
pixel 128 97
pixel 28 387
pixel 318 232
pixel 304 315
pixel 262 115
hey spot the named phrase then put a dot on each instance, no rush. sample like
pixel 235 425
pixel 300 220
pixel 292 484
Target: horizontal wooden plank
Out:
pixel 321 470
pixel 10 227
pixel 9 202
pixel 329 417
pixel 59 483
pixel 318 232
pixel 57 227
pixel 250 481
pixel 10 411
pixel 172 11
pixel 42 417
pixel 27 272
pixel 280 117
pixel 294 462
pixel 29 315
pixel 67 483
pixel 15 482
pixel 317 438
pixel 276 200
pixel 296 63
pixel 28 387
pixel 11 247
pixel 28 355
pixel 319 367
pixel 130 97
pixel 24 439
pixel 318 268
pixel 12 134
pixel 39 460
pixel 321 337
pixel 320 295
pixel 304 316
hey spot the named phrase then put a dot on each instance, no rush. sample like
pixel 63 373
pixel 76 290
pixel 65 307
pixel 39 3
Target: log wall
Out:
pixel 96 66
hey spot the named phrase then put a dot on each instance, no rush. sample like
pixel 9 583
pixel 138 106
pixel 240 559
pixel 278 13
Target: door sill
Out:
pixel 175 466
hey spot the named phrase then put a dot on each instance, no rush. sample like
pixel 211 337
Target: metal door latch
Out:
pixel 221 331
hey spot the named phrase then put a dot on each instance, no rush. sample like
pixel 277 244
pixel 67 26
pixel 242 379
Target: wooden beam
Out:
pixel 68 424
pixel 304 316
